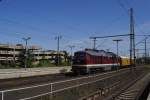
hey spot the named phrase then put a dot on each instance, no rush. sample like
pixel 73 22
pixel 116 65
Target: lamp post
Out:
pixel 26 49
pixel 58 47
pixel 71 48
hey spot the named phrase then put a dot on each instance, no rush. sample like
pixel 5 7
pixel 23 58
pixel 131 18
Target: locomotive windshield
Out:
pixel 79 54
pixel 79 58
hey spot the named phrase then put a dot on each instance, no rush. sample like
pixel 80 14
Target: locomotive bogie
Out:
pixel 80 69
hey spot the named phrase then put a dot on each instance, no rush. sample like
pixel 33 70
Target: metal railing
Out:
pixel 32 92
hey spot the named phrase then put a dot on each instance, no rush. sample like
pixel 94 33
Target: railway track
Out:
pixel 36 80
pixel 136 90
pixel 58 86
pixel 119 90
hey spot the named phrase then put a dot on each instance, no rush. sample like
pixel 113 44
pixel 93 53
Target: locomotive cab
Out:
pixel 79 58
pixel 79 62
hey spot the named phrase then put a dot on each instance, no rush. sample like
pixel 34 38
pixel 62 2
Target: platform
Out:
pixel 17 73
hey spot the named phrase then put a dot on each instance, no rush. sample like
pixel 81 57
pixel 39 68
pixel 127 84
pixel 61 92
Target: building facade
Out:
pixel 12 53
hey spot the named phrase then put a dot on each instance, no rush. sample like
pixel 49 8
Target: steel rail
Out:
pixel 71 87
pixel 61 89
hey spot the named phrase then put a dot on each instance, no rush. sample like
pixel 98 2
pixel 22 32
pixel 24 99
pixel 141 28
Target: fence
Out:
pixel 52 90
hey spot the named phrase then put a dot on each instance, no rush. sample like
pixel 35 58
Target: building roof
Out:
pixel 17 46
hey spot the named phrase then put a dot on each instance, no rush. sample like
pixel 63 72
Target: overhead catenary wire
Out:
pixel 147 36
pixel 22 24
pixel 17 34
pixel 133 37
pixel 110 36
pixel 145 48
pixel 34 28
pixel 112 22
pixel 122 5
pixel 125 9
pixel 101 43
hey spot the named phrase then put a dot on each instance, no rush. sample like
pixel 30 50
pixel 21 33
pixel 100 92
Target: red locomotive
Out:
pixel 90 60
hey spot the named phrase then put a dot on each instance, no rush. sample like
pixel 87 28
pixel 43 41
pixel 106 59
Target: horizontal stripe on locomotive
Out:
pixel 97 65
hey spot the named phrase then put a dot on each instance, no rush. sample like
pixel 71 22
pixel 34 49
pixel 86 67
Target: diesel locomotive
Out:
pixel 89 60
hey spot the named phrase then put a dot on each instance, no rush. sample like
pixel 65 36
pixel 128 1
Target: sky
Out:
pixel 74 20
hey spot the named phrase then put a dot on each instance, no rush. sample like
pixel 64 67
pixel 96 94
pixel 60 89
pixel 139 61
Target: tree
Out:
pixel 30 58
pixel 66 56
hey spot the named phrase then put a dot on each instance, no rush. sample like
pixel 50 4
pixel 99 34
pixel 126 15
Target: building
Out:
pixel 48 54
pixel 11 53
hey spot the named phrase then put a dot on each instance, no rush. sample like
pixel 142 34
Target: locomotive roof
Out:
pixel 99 52
pixel 96 52
pixel 111 53
pixel 125 57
